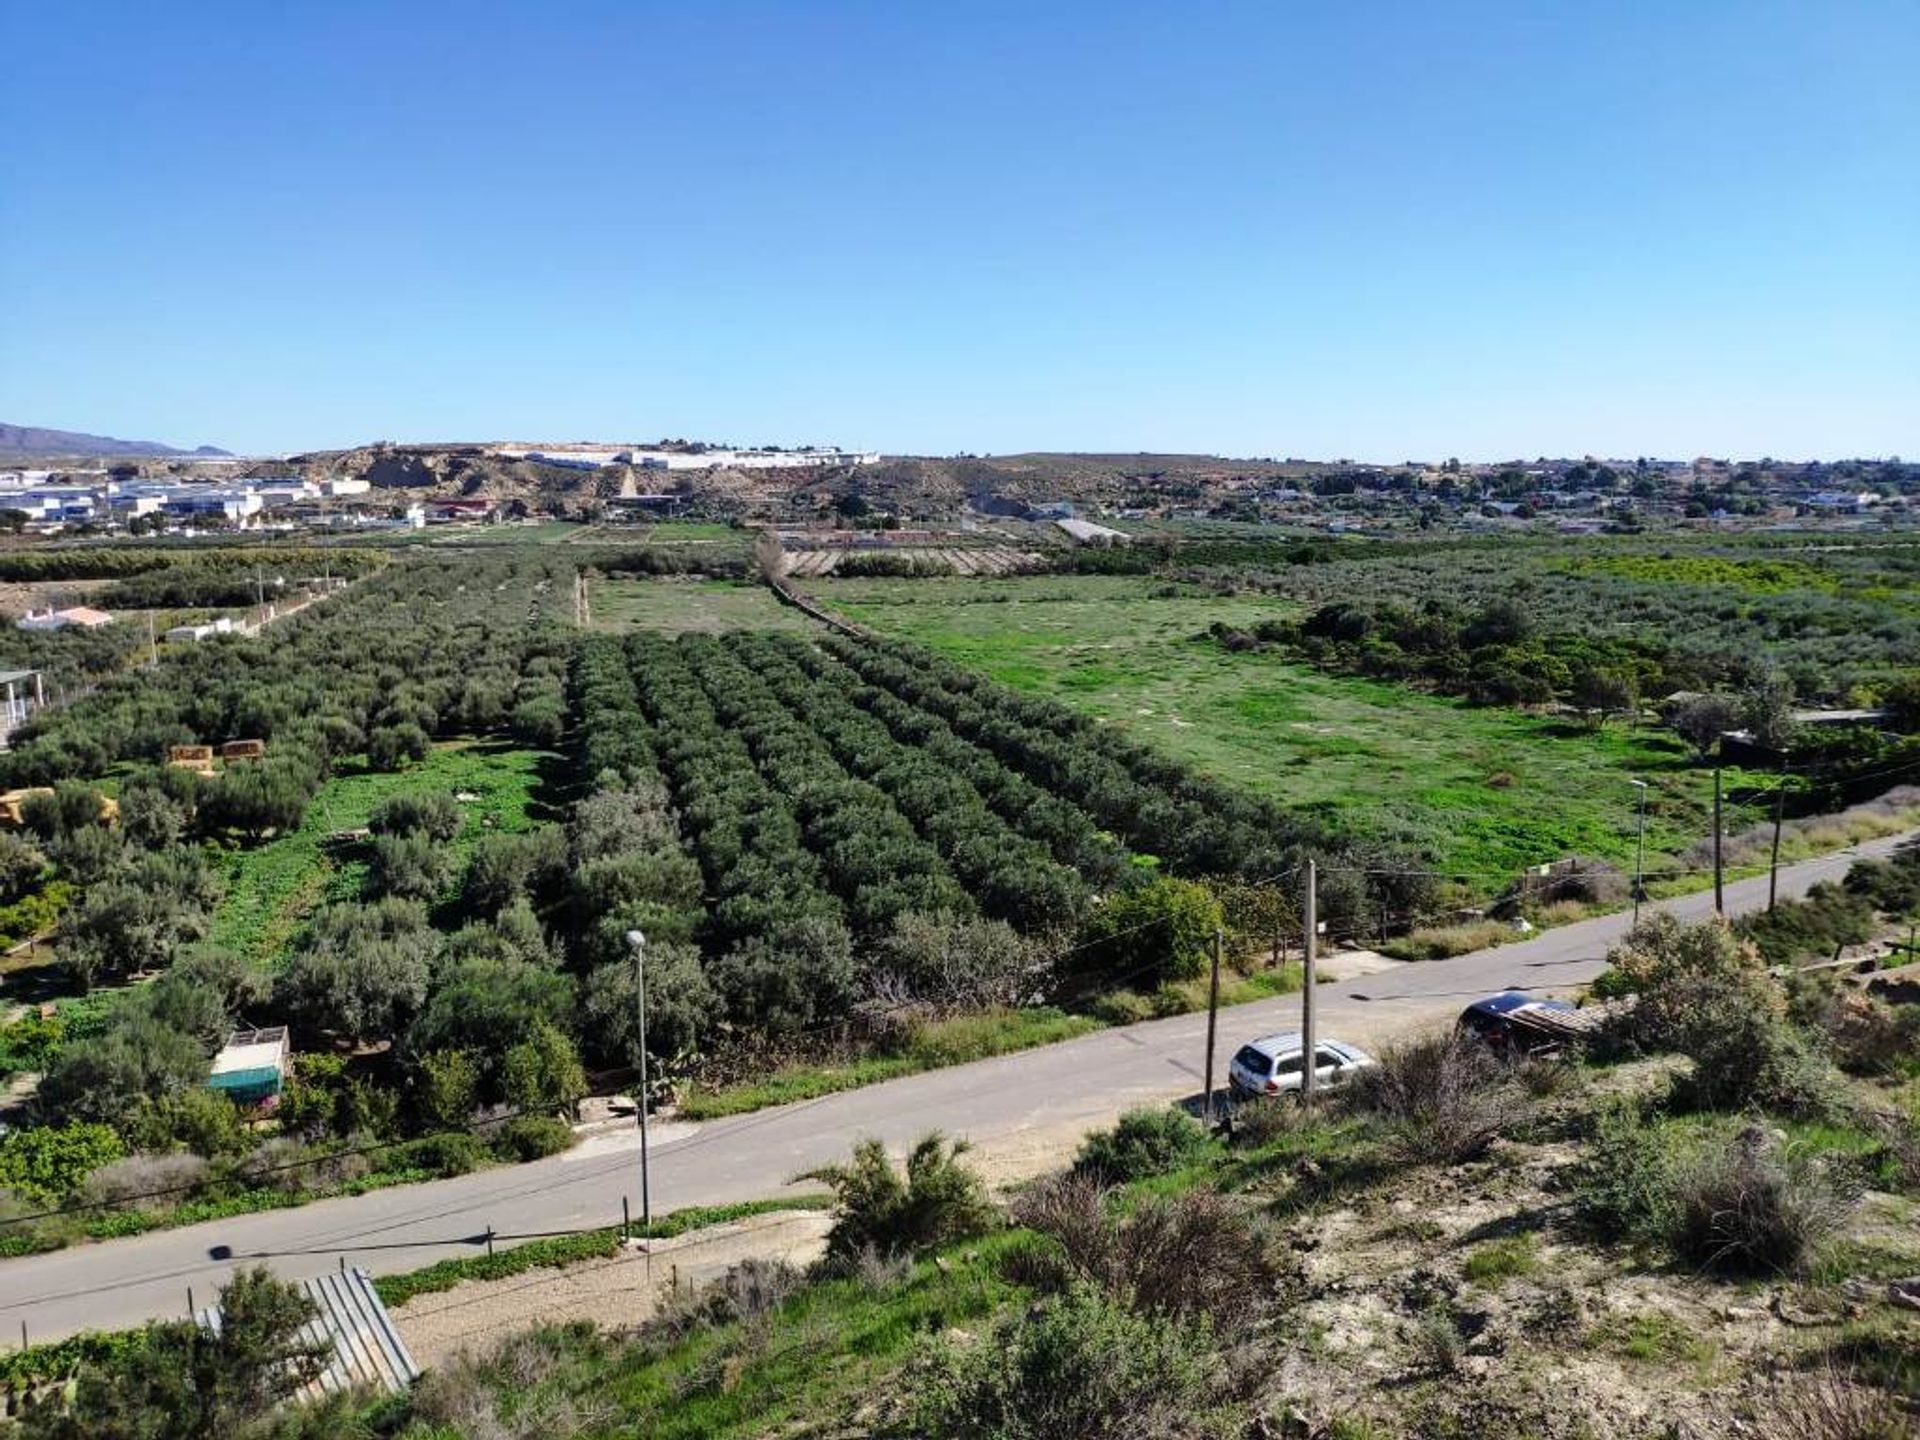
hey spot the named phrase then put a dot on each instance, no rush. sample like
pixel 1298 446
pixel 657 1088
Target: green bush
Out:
pixel 48 1163
pixel 1079 1368
pixel 531 1137
pixel 938 1200
pixel 1703 993
pixel 1623 1186
pixel 1152 1140
pixel 442 1155
pixel 1162 930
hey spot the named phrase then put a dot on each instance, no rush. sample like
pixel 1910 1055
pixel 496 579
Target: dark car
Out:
pixel 1520 1024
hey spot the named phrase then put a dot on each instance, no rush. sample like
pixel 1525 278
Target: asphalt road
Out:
pixel 1023 1113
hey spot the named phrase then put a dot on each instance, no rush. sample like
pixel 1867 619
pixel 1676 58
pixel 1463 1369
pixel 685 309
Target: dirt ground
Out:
pixel 621 1290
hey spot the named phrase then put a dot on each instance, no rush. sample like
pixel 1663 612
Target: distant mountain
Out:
pixel 31 440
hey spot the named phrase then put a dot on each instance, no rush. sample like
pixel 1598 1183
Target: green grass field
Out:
pixel 676 606
pixel 1487 790
pixel 272 890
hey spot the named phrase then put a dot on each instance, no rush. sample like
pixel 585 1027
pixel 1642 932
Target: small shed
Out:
pixel 350 1320
pixel 198 758
pixel 243 750
pixel 251 1067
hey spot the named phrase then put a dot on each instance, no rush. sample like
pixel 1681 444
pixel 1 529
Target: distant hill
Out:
pixel 31 440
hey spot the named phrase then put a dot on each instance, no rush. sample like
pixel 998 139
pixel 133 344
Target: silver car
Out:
pixel 1272 1066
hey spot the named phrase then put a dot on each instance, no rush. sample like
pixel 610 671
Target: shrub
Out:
pixel 1149 1141
pixel 1623 1187
pixel 292 1166
pixel 1162 930
pixel 543 1072
pixel 49 1162
pixel 167 1178
pixel 1198 1254
pixel 443 1155
pixel 178 1381
pixel 1257 1123
pixel 1829 1403
pixel 1701 993
pixel 746 1291
pixel 1079 1368
pixel 531 1137
pixel 1744 1207
pixel 1444 1098
pixel 433 813
pixel 410 866
pixel 446 1089
pixel 938 1200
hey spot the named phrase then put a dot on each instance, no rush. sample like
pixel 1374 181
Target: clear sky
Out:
pixel 1371 230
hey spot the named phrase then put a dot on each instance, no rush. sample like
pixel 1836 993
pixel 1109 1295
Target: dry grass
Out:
pixel 1445 1098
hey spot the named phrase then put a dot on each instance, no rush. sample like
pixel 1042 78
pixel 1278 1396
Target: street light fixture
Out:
pixel 639 943
pixel 1640 852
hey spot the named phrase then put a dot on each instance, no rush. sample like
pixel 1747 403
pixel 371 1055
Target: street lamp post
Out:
pixel 1640 851
pixel 639 943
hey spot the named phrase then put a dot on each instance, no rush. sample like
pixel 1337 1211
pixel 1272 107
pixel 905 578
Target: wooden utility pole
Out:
pixel 1773 865
pixel 1213 1016
pixel 1719 866
pixel 1309 955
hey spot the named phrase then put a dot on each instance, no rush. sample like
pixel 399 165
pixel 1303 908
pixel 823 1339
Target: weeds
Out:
pixel 1745 1207
pixel 1493 1264
pixel 1445 1098
pixel 1198 1255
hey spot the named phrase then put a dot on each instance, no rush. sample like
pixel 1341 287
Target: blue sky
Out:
pixel 1369 230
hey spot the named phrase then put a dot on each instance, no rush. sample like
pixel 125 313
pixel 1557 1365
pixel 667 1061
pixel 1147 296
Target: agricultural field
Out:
pixel 1484 790
pixel 961 560
pixel 271 891
pixel 676 606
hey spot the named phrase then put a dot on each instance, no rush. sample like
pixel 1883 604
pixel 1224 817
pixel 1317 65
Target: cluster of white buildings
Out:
pixel 599 457
pixel 52 499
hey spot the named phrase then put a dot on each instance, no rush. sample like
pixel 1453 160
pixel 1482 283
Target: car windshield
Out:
pixel 1257 1061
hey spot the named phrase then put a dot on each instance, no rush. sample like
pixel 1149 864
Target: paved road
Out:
pixel 1023 1112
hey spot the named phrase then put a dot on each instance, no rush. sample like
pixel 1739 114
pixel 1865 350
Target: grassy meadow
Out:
pixel 1487 790
pixel 678 605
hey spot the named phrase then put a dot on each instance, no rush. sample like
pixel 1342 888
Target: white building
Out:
pixel 79 617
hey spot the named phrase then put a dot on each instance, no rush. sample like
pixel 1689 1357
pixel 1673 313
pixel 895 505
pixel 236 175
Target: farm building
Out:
pixel 252 1066
pixel 1085 532
pixel 79 617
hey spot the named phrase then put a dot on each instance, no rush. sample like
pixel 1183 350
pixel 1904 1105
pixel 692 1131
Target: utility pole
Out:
pixel 1719 867
pixel 153 641
pixel 1640 852
pixel 1213 1017
pixel 1309 955
pixel 1779 813
pixel 639 942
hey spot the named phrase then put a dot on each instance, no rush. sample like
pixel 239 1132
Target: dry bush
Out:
pixel 747 1291
pixel 1200 1254
pixel 1828 1403
pixel 1253 1124
pixel 290 1165
pixel 125 1181
pixel 1446 1098
pixel 1746 1207
pixel 465 1395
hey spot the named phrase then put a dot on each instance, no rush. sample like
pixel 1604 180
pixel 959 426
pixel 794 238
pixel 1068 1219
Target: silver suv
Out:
pixel 1272 1066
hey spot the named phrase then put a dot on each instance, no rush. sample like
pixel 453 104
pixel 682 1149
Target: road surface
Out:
pixel 1023 1113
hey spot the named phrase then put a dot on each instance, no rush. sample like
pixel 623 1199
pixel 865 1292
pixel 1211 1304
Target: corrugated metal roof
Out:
pixel 368 1352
